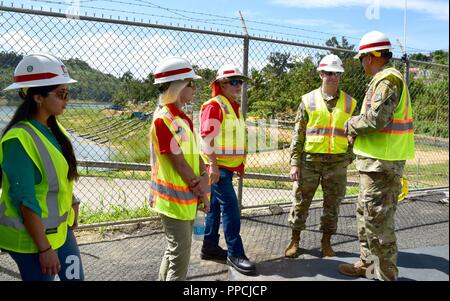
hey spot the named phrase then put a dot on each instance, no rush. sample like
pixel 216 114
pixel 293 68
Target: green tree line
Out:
pixel 275 90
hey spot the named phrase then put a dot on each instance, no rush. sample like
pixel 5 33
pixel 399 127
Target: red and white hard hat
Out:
pixel 40 69
pixel 174 68
pixel 229 70
pixel 373 41
pixel 331 63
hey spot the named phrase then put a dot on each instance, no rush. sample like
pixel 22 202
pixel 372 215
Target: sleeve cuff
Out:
pixel 33 206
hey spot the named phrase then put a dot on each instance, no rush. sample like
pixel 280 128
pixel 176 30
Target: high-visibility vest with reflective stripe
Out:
pixel 229 144
pixel 169 193
pixel 53 193
pixel 396 140
pixel 325 130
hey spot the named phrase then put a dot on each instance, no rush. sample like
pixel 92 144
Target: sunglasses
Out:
pixel 234 82
pixel 61 95
pixel 328 73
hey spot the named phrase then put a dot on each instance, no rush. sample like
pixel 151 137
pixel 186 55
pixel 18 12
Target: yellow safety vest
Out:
pixel 229 144
pixel 396 141
pixel 53 193
pixel 325 130
pixel 169 193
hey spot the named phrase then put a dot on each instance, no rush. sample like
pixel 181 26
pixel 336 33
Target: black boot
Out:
pixel 213 252
pixel 242 265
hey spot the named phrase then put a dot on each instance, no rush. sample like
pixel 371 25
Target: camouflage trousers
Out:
pixel 333 178
pixel 377 203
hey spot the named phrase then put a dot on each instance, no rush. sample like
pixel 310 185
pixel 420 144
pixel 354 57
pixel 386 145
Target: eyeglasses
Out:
pixel 61 95
pixel 191 84
pixel 328 73
pixel 234 82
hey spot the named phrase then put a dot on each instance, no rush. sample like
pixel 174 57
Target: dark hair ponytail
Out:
pixel 66 147
pixel 27 109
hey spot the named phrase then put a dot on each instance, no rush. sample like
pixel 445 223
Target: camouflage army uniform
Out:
pixel 329 170
pixel 379 183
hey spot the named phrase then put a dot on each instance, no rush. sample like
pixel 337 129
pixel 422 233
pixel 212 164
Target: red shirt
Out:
pixel 163 133
pixel 212 111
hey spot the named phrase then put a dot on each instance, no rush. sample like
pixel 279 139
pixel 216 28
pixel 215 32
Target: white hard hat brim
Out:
pixel 41 83
pixel 243 77
pixel 331 69
pixel 174 79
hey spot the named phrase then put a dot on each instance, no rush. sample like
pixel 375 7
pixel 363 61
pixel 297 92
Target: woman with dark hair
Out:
pixel 38 211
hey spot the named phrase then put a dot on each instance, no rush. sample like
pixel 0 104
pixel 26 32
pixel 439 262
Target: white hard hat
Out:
pixel 373 41
pixel 174 68
pixel 38 70
pixel 229 70
pixel 331 63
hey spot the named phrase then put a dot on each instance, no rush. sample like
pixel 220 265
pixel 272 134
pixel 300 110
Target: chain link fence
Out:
pixel 111 106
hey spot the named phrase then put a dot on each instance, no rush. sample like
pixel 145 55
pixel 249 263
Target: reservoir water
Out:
pixel 84 148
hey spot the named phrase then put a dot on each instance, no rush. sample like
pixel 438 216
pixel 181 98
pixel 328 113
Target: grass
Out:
pixel 88 215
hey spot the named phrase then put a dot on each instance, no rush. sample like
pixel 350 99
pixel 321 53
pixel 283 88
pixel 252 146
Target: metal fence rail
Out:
pixel 112 104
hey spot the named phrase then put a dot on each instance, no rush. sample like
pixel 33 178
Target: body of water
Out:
pixel 84 148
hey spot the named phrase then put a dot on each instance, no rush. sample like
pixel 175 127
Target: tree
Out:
pixel 344 44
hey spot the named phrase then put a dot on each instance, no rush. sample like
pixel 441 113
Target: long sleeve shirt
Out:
pixel 377 117
pixel 21 171
pixel 298 140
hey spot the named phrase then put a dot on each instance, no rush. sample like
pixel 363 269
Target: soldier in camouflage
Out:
pixel 320 154
pixel 383 140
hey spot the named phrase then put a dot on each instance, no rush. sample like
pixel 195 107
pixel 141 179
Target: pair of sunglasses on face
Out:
pixel 328 73
pixel 234 82
pixel 61 95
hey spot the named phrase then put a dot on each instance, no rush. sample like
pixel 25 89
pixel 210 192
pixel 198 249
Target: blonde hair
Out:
pixel 171 94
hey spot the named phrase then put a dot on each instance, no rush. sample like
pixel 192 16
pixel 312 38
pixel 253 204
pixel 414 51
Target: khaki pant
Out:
pixel 175 262
pixel 333 178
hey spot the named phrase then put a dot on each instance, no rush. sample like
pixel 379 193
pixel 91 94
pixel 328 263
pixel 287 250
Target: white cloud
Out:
pixel 330 26
pixel 21 42
pixel 438 9
pixel 107 52
pixel 116 54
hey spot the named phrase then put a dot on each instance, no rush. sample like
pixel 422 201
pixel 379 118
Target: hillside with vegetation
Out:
pixel 275 89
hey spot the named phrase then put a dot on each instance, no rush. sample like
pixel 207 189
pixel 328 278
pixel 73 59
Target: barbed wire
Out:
pixel 237 28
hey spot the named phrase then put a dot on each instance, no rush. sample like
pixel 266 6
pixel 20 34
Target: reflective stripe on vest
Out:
pixel 53 220
pixel 325 130
pixel 396 140
pixel 170 195
pixel 229 144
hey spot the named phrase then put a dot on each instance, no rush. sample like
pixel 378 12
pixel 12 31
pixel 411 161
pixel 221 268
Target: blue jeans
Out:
pixel 69 258
pixel 224 200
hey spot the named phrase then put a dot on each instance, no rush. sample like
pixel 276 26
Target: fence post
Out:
pixel 406 59
pixel 244 95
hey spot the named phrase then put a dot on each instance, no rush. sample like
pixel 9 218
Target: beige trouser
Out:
pixel 175 262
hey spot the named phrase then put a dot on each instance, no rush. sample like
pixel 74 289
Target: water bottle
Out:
pixel 199 226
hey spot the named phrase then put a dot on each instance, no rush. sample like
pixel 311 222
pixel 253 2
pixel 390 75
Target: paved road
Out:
pixel 422 222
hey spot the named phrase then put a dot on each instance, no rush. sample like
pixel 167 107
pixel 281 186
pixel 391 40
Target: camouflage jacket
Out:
pixel 381 112
pixel 298 140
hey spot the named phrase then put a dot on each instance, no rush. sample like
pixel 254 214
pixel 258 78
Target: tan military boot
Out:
pixel 357 269
pixel 292 248
pixel 327 251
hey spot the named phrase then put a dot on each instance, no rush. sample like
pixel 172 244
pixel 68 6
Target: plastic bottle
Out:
pixel 199 226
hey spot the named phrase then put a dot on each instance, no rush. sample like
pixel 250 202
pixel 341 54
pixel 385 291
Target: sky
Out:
pixel 116 49
pixel 312 21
